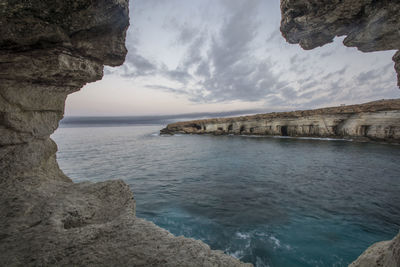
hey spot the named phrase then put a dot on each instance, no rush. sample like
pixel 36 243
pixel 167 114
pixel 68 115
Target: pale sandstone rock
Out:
pixel 374 121
pixel 49 49
pixel 84 224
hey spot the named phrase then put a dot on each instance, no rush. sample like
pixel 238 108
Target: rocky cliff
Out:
pixel 49 49
pixel 368 25
pixel 378 121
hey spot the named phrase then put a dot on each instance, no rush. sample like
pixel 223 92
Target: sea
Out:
pixel 271 201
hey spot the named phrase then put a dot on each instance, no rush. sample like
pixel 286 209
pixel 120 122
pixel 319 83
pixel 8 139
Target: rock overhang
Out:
pixel 367 24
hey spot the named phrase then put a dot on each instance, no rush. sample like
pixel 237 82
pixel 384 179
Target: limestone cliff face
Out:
pixel 379 121
pixel 368 24
pixel 49 49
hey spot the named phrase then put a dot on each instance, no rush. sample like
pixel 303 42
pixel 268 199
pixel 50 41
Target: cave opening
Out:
pixel 197 126
pixel 242 129
pixel 230 127
pixel 364 130
pixel 335 130
pixel 284 130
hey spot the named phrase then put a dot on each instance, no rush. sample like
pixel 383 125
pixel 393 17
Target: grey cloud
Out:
pixel 297 63
pixel 306 79
pixel 316 101
pixel 294 59
pixel 320 90
pixel 141 65
pixel 327 54
pixel 307 95
pixel 230 71
pixel 310 84
pixel 340 72
pixel 168 89
pixel 193 55
pixel 136 65
pixel 274 35
pixel 368 76
pixel 226 69
pixel 275 100
pixel 203 69
pixel 191 59
pixel 185 31
pixel 336 86
pixel 181 76
pixel 220 64
pixel 388 67
pixel 288 92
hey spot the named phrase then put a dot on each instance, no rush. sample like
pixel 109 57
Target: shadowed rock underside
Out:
pixel 49 49
pixel 368 25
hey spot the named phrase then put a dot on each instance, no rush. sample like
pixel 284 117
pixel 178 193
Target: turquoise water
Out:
pixel 269 201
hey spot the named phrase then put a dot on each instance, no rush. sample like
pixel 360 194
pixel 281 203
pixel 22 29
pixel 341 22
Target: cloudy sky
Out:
pixel 223 55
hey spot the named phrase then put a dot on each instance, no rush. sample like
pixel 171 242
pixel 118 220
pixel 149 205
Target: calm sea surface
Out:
pixel 269 201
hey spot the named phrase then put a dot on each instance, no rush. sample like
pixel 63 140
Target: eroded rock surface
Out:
pixel 368 25
pixel 385 254
pixel 49 49
pixel 55 223
pixel 377 121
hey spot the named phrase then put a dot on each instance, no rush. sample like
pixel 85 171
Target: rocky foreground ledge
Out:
pixel 374 121
pixel 382 254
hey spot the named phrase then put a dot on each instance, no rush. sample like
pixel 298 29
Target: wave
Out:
pixel 243 236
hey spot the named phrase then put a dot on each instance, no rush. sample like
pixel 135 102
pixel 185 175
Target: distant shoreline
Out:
pixel 374 121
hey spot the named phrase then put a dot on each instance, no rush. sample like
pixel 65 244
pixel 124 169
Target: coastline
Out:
pixel 377 121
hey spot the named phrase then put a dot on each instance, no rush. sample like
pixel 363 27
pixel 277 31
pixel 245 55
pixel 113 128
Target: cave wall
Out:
pixel 49 49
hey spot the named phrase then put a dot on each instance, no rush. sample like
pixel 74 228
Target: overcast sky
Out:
pixel 222 55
